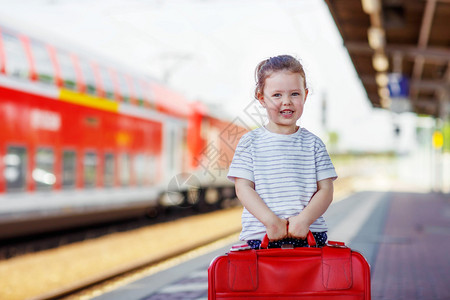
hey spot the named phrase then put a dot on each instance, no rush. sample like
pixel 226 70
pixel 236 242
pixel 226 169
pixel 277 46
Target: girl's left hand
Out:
pixel 298 227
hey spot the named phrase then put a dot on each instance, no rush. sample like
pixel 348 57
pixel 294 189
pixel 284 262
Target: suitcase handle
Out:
pixel 309 238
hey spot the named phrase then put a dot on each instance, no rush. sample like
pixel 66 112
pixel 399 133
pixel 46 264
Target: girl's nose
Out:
pixel 286 100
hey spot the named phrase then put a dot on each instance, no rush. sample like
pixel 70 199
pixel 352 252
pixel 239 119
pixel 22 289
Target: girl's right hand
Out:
pixel 277 230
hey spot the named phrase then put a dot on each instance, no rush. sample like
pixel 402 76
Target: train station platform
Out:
pixel 413 260
pixel 404 236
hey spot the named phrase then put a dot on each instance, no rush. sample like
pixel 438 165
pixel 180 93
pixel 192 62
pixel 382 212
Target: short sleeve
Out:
pixel 242 163
pixel 324 166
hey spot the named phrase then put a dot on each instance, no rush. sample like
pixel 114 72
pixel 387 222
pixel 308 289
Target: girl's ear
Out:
pixel 260 98
pixel 306 94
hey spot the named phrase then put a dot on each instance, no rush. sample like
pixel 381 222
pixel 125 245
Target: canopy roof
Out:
pixel 414 37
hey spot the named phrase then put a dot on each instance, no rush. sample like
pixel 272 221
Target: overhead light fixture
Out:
pixel 385 100
pixel 385 103
pixel 370 6
pixel 376 37
pixel 380 62
pixel 383 92
pixel 382 79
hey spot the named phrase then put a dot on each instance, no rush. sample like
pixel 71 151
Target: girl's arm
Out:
pixel 299 224
pixel 275 227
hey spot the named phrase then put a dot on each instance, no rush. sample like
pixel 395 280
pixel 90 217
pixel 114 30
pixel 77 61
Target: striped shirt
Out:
pixel 285 170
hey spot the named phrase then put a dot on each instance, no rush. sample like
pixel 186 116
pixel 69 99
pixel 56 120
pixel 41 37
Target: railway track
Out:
pixel 87 289
pixel 21 245
pixel 73 268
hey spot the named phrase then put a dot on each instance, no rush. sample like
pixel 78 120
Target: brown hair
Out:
pixel 273 64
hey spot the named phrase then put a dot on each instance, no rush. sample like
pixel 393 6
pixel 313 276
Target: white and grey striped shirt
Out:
pixel 285 170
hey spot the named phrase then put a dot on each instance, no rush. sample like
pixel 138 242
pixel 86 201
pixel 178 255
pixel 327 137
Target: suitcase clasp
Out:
pixel 335 244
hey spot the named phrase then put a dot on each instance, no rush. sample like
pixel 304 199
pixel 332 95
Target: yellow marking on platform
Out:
pixel 438 139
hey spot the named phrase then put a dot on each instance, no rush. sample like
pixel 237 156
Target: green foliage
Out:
pixel 446 133
pixel 333 138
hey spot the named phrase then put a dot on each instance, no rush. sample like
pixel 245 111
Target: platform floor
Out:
pixel 404 236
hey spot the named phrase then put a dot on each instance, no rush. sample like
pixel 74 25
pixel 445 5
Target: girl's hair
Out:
pixel 273 64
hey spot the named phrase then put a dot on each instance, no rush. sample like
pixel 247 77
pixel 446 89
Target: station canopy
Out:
pixel 400 50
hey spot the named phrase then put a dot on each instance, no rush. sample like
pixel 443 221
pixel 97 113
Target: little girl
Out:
pixel 283 174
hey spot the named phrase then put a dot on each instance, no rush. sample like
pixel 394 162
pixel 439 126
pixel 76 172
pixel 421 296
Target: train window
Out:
pixel 43 173
pixel 108 171
pixel 108 85
pixel 68 168
pixel 43 62
pixel 67 68
pixel 124 169
pixel 139 167
pixel 15 56
pixel 124 87
pixel 88 76
pixel 139 93
pixel 15 162
pixel 90 163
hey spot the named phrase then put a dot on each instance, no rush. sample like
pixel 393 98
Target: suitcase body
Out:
pixel 330 272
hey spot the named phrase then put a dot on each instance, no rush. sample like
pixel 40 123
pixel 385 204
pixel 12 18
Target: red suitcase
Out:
pixel 331 272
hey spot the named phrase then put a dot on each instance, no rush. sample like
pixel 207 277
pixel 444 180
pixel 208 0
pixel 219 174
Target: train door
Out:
pixel 174 144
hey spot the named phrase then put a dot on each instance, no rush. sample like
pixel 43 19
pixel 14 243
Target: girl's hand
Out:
pixel 298 227
pixel 277 229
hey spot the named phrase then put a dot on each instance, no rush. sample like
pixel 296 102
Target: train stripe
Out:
pixel 76 98
pixel 25 86
pixel 89 101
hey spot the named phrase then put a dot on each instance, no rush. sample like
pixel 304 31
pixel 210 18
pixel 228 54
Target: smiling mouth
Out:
pixel 287 112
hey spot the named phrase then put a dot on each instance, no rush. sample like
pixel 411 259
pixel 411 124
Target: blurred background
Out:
pixel 114 109
pixel 207 51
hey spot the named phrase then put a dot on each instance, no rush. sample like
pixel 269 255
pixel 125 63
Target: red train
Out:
pixel 84 140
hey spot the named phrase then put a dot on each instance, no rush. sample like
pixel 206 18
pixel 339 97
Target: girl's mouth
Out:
pixel 287 112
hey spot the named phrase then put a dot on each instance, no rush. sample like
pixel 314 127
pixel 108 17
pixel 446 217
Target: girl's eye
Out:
pixel 295 94
pixel 276 95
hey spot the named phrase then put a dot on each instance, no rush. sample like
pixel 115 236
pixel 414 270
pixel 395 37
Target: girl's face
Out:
pixel 283 97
